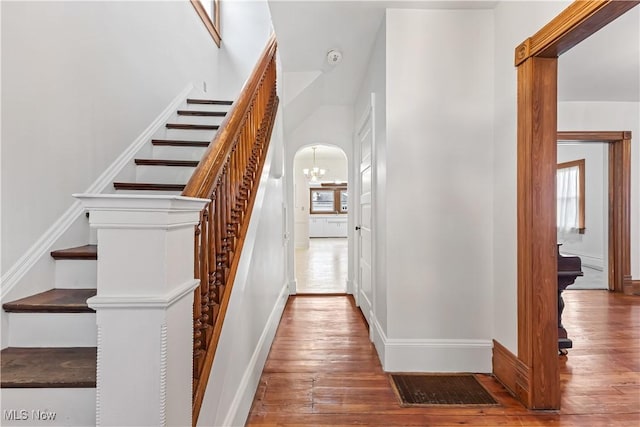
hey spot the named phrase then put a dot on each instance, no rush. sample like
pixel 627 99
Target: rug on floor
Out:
pixel 440 389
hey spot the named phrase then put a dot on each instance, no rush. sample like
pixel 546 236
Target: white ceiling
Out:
pixel 605 67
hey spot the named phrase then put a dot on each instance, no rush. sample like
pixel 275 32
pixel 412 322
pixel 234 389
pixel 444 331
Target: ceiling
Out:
pixel 605 67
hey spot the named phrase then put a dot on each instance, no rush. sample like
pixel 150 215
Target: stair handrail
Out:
pixel 210 167
pixel 228 175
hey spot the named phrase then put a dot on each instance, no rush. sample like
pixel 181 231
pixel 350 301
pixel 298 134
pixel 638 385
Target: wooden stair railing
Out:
pixel 228 174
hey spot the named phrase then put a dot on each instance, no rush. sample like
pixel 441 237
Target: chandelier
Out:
pixel 314 174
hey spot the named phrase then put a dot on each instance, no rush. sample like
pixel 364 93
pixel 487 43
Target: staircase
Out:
pixel 48 370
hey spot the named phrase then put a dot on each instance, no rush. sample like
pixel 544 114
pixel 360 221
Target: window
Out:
pixel 570 197
pixel 328 199
pixel 209 12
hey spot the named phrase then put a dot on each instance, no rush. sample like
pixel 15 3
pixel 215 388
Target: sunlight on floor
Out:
pixel 323 267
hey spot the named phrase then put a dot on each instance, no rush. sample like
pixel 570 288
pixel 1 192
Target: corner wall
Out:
pixel 375 81
pixel 439 222
pixel 514 22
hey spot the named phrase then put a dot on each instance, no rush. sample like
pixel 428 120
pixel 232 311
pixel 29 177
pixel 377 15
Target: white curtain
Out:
pixel 567 206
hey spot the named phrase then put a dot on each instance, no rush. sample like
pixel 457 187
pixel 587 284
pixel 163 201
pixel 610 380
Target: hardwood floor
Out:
pixel 323 370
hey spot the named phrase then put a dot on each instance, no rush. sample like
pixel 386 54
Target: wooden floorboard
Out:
pixel 323 370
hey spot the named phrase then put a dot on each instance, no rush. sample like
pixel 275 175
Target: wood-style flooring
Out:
pixel 323 370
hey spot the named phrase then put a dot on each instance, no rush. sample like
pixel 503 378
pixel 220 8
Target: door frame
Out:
pixel 367 116
pixel 619 183
pixel 533 376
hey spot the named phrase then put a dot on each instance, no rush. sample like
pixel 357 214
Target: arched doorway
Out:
pixel 320 206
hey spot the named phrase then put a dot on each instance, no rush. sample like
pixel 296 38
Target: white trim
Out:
pixel 143 302
pixel 378 338
pixel 241 404
pixel 351 288
pixel 44 244
pixel 366 306
pixel 292 287
pixel 431 355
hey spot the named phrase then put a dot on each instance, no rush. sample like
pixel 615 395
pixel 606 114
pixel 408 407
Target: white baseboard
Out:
pixel 378 338
pixel 45 243
pixel 365 306
pixel 351 287
pixel 430 355
pixel 596 263
pixel 241 404
pixel 293 286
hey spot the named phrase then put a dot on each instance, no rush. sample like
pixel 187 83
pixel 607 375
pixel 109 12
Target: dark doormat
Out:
pixel 440 389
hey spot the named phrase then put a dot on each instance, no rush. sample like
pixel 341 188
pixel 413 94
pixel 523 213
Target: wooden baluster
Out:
pixel 204 275
pixel 212 263
pixel 198 348
pixel 219 242
pixel 228 239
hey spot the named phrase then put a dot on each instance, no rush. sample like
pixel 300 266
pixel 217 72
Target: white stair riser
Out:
pixel 52 329
pixel 205 107
pixel 76 273
pixel 164 174
pixel 149 192
pixel 171 152
pixel 72 406
pixel 186 134
pixel 199 120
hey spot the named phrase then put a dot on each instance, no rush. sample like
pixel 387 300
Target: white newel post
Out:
pixel 144 307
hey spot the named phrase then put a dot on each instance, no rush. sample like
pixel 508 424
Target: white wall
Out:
pixel 615 116
pixel 592 245
pixel 514 22
pixel 81 80
pixel 374 81
pixel 439 190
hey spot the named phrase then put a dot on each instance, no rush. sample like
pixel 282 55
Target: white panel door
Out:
pixel 364 234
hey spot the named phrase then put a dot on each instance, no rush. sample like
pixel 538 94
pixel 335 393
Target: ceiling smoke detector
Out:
pixel 334 56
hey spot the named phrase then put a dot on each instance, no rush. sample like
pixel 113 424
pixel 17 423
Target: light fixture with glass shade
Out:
pixel 315 173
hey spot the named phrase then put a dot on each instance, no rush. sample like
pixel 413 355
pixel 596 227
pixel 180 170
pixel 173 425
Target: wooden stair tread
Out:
pixel 208 102
pixel 63 367
pixel 202 113
pixel 167 162
pixel 180 143
pixel 53 301
pixel 147 186
pixel 80 252
pixel 191 126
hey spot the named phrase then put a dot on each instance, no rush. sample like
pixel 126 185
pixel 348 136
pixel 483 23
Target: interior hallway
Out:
pixel 322 268
pixel 323 370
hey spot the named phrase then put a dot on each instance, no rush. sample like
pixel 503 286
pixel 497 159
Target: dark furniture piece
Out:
pixel 569 267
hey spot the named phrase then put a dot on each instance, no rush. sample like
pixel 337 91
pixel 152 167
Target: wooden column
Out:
pixel 620 214
pixel 537 264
